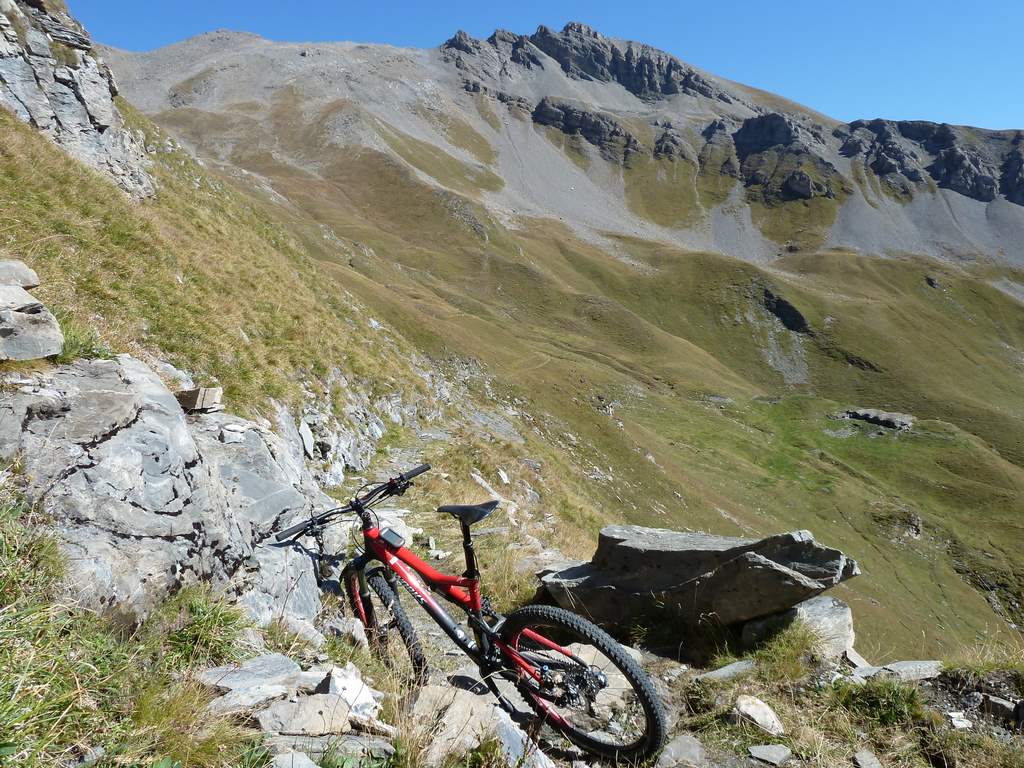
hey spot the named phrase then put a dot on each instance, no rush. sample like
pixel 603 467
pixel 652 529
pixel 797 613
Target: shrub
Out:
pixel 881 701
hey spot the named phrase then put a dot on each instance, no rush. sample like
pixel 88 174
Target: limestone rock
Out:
pixel 457 720
pixel 145 500
pixel 829 618
pixel 292 760
pixel 271 669
pixel 865 758
pixel 772 754
pixel 728 672
pixel 316 715
pixel 913 671
pixel 71 101
pixel 650 574
pixel 348 629
pixel 898 421
pixel 347 682
pixel 614 141
pixel 750 709
pixel 586 54
pixel 28 331
pixel 246 699
pixel 684 751
pixel 15 272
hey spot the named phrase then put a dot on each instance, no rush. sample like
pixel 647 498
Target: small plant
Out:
pixel 195 628
pixel 64 54
pixel 787 656
pixel 280 639
pixel 80 341
pixel 880 701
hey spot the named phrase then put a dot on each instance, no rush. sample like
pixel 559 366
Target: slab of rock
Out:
pixel 348 629
pixel 829 618
pixel 15 272
pixel 866 759
pixel 349 745
pixel 998 707
pixel 912 671
pixel 271 669
pixel 889 420
pixel 773 754
pixel 71 101
pixel 684 751
pixel 728 672
pixel 854 659
pixel 316 715
pixel 348 683
pixel 750 709
pixel 28 330
pixel 292 760
pixel 457 720
pixel 652 574
pixel 145 500
pixel 247 699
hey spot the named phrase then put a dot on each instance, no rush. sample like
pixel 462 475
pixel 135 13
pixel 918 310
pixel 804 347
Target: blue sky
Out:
pixel 938 60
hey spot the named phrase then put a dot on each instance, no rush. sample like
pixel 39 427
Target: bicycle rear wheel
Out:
pixel 583 684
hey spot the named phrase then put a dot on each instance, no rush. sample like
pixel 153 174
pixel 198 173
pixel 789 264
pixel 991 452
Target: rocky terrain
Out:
pixel 650 311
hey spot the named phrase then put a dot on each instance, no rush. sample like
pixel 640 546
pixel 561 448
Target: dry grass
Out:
pixel 70 681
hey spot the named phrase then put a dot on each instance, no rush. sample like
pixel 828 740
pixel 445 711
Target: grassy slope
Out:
pixel 568 329
pixel 202 275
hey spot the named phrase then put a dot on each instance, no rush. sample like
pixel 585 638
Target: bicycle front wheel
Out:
pixel 389 626
pixel 583 684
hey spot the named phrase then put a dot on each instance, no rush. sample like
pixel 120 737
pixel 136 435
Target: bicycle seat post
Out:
pixel 467 547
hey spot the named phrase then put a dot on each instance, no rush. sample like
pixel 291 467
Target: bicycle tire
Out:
pixel 654 736
pixel 380 634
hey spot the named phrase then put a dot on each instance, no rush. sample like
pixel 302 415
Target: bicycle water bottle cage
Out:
pixel 392 537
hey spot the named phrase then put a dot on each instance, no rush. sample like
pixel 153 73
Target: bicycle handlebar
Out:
pixel 392 486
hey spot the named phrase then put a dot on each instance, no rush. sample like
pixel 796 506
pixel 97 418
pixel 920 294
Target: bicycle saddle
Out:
pixel 470 513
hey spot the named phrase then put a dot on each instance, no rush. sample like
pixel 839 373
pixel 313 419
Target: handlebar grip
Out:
pixel 287 533
pixel 415 472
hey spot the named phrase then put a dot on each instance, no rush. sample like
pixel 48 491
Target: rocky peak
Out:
pixel 586 54
pixel 51 78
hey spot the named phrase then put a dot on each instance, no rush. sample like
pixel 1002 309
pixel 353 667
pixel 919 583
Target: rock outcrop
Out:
pixel 28 330
pixel 608 135
pixel 51 78
pixel 585 53
pixel 686 580
pixel 145 499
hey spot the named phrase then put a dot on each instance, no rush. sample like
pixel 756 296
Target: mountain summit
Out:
pixel 609 136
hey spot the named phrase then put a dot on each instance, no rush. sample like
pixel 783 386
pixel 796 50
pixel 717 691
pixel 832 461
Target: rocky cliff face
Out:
pixel 52 78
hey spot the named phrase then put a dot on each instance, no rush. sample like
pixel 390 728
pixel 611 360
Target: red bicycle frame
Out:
pixel 421 579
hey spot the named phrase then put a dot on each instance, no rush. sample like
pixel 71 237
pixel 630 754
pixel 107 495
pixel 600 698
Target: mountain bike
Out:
pixel 574 677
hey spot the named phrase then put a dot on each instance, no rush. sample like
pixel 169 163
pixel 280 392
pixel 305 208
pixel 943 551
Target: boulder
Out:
pixel 772 754
pixel 887 419
pixel 829 618
pixel 650 574
pixel 28 330
pixel 684 751
pixel 316 715
pixel 348 629
pixel 739 668
pixel 246 699
pixel 292 760
pixel 865 758
pixel 271 669
pixel 455 721
pixel 14 272
pixel 799 185
pixel 750 709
